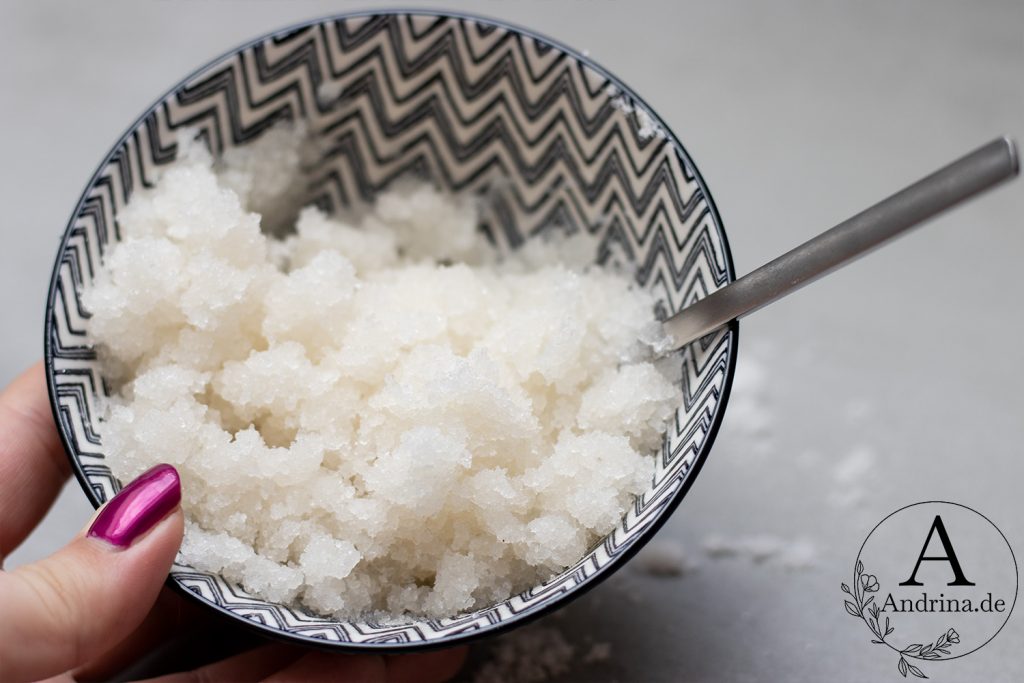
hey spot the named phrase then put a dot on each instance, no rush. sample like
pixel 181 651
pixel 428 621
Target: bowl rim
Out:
pixel 516 620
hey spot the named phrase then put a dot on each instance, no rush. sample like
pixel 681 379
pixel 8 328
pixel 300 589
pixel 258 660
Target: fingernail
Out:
pixel 138 507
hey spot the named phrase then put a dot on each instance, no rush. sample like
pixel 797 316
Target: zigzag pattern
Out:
pixel 475 107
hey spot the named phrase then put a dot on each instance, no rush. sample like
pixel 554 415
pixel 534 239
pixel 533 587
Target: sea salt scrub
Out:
pixel 374 417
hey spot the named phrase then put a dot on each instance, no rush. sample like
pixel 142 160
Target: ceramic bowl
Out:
pixel 476 106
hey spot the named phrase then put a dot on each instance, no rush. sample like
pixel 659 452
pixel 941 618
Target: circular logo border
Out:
pixel 1013 556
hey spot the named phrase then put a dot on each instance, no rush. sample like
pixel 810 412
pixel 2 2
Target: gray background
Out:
pixel 896 380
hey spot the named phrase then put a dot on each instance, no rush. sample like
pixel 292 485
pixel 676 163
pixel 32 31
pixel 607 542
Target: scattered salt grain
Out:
pixel 799 554
pixel 848 476
pixel 647 126
pixel 796 554
pixel 663 558
pixel 717 547
pixel 854 466
pixel 598 652
pixel 618 99
pixel 761 548
pixel 329 91
pixel 266 177
pixel 748 414
pixel 533 654
pixel 375 417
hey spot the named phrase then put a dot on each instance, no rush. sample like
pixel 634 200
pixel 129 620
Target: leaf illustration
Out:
pixel 869 611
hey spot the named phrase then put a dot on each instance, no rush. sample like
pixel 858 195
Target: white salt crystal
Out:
pixel 622 104
pixel 266 174
pixel 664 558
pixel 718 546
pixel 378 416
pixel 762 547
pixel 649 128
pixel 598 652
pixel 635 394
pixel 799 554
pixel 328 558
pixel 748 414
pixel 329 91
pixel 533 654
pixel 848 476
pixel 796 554
pixel 854 466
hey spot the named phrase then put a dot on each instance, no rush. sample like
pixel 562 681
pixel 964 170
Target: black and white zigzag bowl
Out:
pixel 475 106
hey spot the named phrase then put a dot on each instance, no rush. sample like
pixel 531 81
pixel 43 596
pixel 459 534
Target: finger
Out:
pixel 208 639
pixel 91 594
pixel 33 466
pixel 438 666
pixel 168 619
pixel 65 677
pixel 320 667
pixel 254 665
pixel 287 664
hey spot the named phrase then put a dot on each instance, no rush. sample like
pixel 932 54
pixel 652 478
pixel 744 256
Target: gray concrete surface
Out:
pixel 896 380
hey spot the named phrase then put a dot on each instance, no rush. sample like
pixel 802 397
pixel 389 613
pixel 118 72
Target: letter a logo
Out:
pixel 958 574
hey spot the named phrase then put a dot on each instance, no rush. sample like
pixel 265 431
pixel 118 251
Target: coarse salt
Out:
pixel 380 416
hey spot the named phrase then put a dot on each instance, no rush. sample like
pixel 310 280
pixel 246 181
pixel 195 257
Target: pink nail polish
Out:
pixel 138 507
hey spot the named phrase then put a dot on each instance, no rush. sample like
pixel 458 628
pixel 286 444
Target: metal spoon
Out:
pixel 982 169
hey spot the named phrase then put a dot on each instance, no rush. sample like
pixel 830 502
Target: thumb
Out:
pixel 85 598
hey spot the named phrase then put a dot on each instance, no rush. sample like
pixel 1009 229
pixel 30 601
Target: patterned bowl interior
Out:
pixel 475 106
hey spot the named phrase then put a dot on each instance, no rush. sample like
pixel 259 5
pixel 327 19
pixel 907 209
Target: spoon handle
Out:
pixel 966 177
